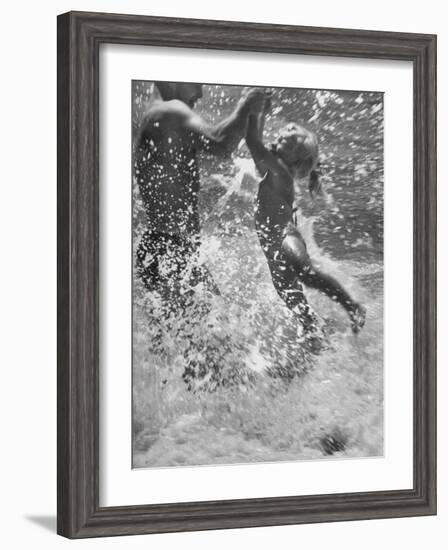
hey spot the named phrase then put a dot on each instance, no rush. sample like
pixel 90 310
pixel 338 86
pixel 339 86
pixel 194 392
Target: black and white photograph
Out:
pixel 257 274
pixel 221 309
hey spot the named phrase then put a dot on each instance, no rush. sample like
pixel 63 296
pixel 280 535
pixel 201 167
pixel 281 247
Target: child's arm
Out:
pixel 264 159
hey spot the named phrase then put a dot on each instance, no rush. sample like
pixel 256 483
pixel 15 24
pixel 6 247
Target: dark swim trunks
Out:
pixel 163 258
pixel 170 262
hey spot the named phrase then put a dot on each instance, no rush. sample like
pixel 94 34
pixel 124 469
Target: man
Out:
pixel 166 169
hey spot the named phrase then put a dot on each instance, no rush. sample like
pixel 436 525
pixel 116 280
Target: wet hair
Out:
pixel 315 185
pixel 300 143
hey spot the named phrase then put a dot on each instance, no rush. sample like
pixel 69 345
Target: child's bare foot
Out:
pixel 357 318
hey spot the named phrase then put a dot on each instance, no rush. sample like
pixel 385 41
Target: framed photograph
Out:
pixel 246 274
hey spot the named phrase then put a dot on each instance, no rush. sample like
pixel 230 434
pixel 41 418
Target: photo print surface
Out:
pixel 257 274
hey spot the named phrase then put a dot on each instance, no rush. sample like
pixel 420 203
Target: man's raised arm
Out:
pixel 225 136
pixel 220 138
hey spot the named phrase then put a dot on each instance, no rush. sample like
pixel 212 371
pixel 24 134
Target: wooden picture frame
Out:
pixel 79 38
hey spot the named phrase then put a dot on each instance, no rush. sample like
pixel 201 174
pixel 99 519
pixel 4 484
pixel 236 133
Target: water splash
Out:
pixel 261 417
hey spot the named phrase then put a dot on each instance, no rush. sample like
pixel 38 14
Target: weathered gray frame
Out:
pixel 79 38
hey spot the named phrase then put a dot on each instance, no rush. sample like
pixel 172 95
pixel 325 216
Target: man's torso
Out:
pixel 168 178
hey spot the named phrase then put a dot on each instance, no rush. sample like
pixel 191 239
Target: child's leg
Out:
pixel 291 292
pixel 295 252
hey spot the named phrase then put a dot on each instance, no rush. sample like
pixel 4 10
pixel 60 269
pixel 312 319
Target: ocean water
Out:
pixel 276 400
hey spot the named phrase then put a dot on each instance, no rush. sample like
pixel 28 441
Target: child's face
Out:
pixel 297 147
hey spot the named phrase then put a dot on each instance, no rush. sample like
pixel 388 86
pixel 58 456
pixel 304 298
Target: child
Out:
pixel 293 155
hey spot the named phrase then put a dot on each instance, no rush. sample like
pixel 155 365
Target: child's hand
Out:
pixel 254 99
pixel 267 103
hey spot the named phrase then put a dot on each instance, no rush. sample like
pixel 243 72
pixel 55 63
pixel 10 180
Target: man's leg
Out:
pixel 150 250
pixel 147 255
pixel 165 263
pixel 202 359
